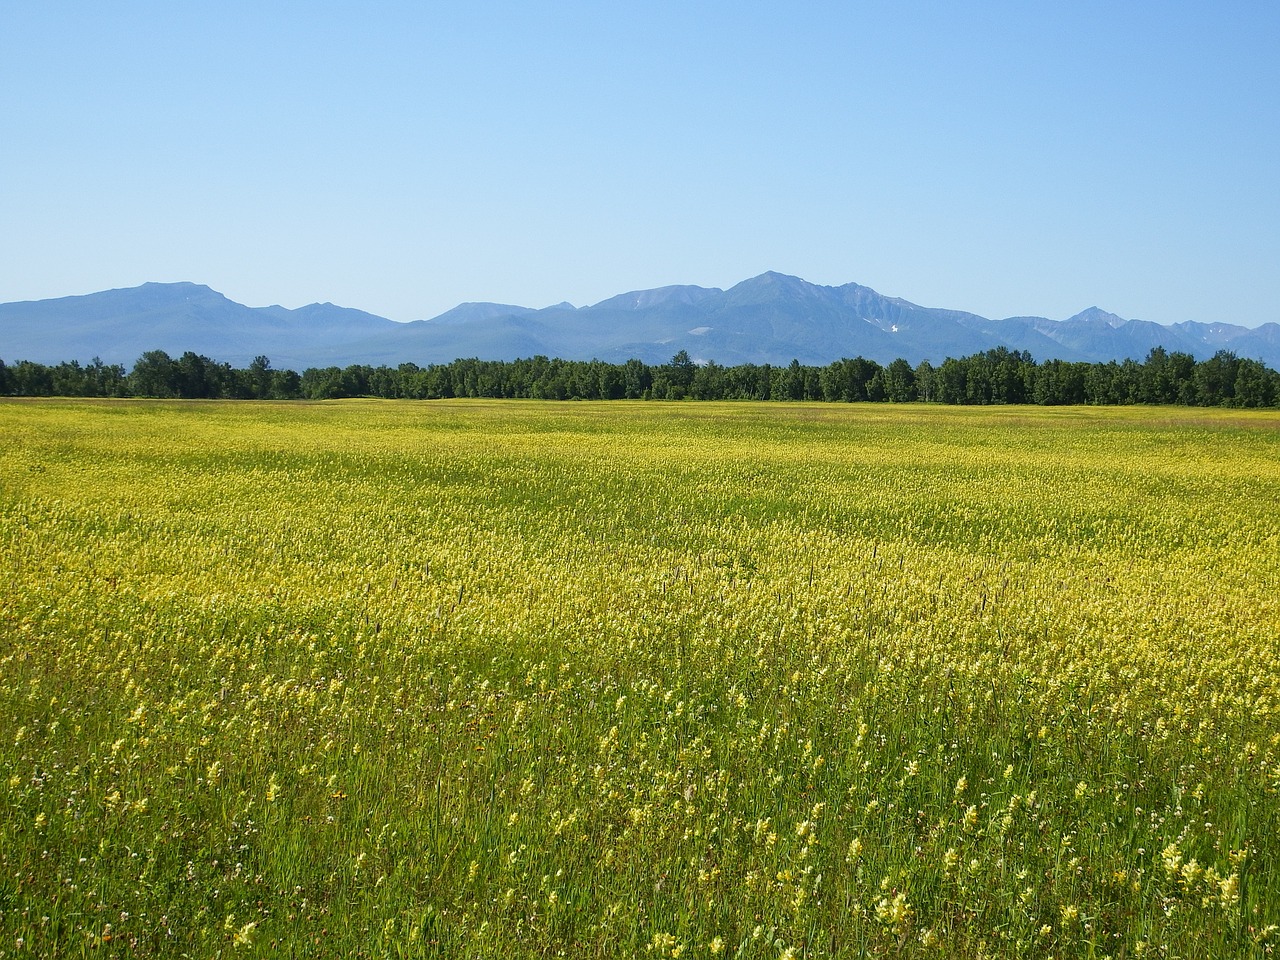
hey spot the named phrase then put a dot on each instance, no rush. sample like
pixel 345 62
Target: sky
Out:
pixel 1004 158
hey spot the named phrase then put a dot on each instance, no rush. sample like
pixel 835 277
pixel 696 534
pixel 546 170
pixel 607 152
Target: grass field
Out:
pixel 638 680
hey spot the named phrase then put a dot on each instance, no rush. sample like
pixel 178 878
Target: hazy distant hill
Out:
pixel 772 318
pixel 119 325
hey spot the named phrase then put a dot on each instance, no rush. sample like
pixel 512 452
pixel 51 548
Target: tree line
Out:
pixel 999 376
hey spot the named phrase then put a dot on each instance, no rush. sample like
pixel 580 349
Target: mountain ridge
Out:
pixel 770 318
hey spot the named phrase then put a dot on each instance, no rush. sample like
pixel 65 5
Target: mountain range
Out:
pixel 772 318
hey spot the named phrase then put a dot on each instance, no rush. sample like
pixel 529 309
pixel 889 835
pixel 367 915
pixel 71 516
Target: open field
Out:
pixel 653 680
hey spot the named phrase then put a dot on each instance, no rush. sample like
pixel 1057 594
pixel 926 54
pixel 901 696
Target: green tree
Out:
pixel 1215 379
pixel 876 387
pixel 260 377
pixel 899 382
pixel 682 369
pixel 1255 385
pixel 285 385
pixel 612 383
pixel 952 381
pixel 708 382
pixel 30 379
pixel 926 381
pixel 790 384
pixel 154 375
pixel 636 379
pixel 107 379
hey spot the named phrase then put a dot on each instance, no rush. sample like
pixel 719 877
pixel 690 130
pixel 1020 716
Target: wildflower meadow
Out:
pixel 508 679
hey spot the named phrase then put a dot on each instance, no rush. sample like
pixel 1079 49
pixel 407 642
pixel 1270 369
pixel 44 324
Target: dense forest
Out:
pixel 994 376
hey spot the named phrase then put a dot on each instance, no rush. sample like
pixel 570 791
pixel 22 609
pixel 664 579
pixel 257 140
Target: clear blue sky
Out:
pixel 999 157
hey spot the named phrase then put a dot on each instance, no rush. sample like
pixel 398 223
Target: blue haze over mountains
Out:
pixel 772 318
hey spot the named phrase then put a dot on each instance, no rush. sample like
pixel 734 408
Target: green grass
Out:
pixel 515 680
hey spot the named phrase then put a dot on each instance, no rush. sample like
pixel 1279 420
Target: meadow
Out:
pixel 521 679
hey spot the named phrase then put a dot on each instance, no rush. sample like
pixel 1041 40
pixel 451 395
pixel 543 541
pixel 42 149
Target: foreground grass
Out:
pixel 508 680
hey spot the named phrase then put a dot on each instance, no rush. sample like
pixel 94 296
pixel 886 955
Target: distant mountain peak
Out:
pixel 775 279
pixel 177 288
pixel 770 318
pixel 472 310
pixel 1098 315
pixel 773 286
